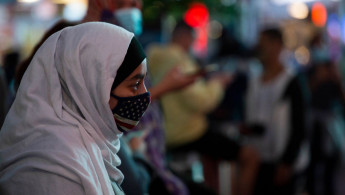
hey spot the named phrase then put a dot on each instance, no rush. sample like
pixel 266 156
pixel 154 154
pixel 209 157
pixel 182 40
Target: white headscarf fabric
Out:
pixel 61 122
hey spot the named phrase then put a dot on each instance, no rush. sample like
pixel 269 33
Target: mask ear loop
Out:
pixel 114 96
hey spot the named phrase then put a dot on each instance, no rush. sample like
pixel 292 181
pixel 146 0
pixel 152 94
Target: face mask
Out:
pixel 130 19
pixel 129 110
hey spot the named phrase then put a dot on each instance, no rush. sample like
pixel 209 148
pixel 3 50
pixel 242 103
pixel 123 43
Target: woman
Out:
pixel 60 136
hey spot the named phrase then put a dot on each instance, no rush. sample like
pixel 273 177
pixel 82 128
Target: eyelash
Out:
pixel 136 85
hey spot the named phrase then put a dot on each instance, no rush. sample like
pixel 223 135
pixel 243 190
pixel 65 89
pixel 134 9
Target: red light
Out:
pixel 200 44
pixel 197 15
pixel 319 14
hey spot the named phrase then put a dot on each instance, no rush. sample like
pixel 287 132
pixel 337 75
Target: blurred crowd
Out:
pixel 280 127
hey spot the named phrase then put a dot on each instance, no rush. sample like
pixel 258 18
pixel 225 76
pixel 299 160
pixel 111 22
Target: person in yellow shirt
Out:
pixel 185 110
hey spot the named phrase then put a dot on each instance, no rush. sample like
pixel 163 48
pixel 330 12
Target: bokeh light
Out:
pixel 333 27
pixel 28 1
pixel 319 14
pixel 197 15
pixel 298 10
pixel 46 10
pixel 342 25
pixel 74 11
pixel 215 29
pixel 302 55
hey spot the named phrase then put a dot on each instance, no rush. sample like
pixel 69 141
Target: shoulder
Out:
pixel 38 181
pixel 155 49
pixel 158 50
pixel 54 150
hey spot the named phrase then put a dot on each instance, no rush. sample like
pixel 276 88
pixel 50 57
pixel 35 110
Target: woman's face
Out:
pixel 133 85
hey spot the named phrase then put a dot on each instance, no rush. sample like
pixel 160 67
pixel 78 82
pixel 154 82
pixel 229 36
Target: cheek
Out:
pixel 112 103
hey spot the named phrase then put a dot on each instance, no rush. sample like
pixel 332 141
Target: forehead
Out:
pixel 139 72
pixel 142 67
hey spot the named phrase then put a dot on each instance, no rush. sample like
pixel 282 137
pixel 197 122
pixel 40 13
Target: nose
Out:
pixel 143 88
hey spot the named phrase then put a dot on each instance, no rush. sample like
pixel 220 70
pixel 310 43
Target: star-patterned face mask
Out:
pixel 129 110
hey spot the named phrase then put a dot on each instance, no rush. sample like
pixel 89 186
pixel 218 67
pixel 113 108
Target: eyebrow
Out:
pixel 138 76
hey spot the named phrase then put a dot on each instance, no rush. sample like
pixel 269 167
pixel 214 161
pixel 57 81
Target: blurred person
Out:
pixel 232 56
pixel 275 119
pixel 328 126
pixel 319 50
pixel 185 111
pixel 125 13
pixel 62 133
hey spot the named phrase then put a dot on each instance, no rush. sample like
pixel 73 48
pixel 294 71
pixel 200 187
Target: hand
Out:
pixel 172 81
pixel 224 78
pixel 175 79
pixel 283 174
pixel 135 143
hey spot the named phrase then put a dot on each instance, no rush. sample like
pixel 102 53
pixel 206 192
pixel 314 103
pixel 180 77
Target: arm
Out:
pixel 172 81
pixel 39 182
pixel 203 96
pixel 298 126
pixel 297 133
pixel 169 71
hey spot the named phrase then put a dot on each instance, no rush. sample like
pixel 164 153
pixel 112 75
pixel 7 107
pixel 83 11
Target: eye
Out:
pixel 136 85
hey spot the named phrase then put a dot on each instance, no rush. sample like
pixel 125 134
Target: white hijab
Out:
pixel 60 121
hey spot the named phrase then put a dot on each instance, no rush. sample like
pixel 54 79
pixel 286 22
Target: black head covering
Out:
pixel 134 57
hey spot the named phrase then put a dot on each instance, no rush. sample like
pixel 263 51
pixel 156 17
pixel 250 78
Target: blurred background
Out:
pixel 226 34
